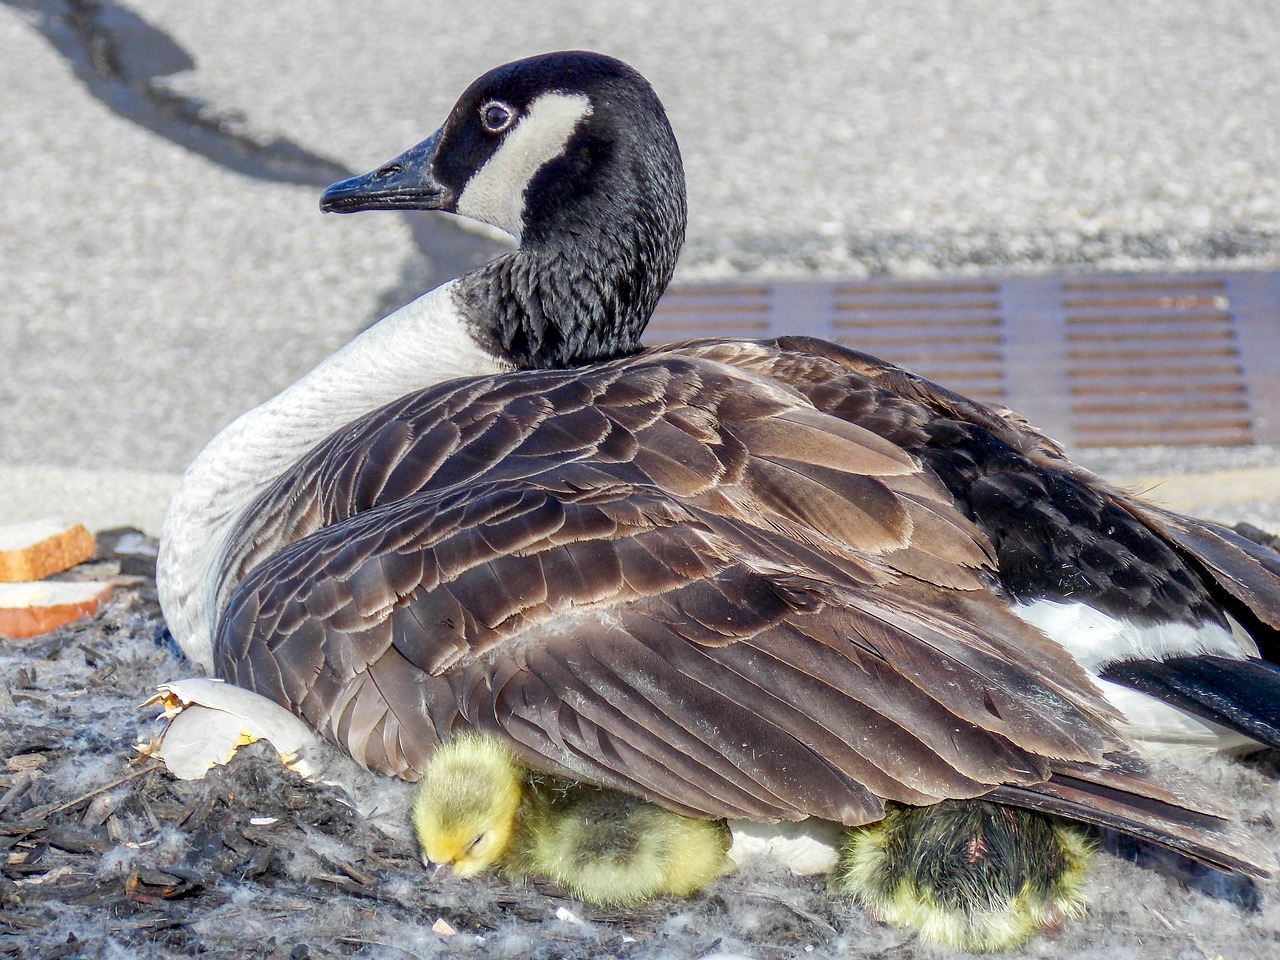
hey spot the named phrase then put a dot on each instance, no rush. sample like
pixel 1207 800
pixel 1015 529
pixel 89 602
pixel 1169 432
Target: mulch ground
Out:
pixel 105 857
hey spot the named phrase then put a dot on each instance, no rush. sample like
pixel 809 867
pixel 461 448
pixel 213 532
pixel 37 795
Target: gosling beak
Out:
pixel 441 870
pixel 406 183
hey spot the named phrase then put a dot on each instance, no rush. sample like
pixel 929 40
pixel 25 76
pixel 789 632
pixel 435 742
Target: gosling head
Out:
pixel 465 809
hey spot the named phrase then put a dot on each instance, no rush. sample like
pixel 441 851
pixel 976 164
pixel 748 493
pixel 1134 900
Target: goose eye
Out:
pixel 475 843
pixel 496 116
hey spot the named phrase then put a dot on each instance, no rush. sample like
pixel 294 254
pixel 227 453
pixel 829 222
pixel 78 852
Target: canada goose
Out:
pixel 742 579
pixel 477 808
pixel 972 875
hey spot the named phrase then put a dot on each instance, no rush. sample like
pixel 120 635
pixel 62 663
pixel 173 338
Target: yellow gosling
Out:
pixel 971 875
pixel 478 808
pixel 466 808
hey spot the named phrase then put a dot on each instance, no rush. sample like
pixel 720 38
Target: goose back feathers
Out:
pixel 677 576
pixel 775 579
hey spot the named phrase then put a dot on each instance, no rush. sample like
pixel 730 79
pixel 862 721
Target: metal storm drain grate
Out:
pixel 1111 360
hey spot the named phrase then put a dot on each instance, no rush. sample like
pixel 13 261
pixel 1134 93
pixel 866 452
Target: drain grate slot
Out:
pixel 1094 361
pixel 1147 338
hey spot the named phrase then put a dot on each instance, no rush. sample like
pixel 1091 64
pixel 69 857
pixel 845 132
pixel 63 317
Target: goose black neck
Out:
pixel 603 228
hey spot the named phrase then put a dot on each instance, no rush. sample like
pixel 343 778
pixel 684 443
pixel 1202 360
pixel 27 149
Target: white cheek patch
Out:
pixel 495 193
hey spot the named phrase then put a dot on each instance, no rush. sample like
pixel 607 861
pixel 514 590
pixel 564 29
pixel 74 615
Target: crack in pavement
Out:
pixel 121 59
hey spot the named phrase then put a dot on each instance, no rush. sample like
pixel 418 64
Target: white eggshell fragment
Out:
pixel 209 720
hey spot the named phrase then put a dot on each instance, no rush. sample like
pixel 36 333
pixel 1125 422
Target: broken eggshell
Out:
pixel 209 720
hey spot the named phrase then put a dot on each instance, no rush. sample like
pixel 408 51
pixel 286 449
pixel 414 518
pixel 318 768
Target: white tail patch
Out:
pixel 1095 639
pixel 1167 731
pixel 495 193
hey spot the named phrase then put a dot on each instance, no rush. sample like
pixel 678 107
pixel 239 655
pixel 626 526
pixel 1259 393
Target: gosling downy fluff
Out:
pixel 970 875
pixel 477 808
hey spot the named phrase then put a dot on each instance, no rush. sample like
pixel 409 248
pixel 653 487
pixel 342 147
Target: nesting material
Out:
pixel 30 609
pixel 806 848
pixel 36 549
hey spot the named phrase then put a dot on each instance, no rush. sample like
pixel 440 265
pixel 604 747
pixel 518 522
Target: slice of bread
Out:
pixel 37 548
pixel 30 609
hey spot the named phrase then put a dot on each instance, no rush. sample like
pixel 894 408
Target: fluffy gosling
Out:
pixel 477 809
pixel 970 875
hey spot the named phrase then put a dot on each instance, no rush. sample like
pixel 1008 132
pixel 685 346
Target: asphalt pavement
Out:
pixel 165 265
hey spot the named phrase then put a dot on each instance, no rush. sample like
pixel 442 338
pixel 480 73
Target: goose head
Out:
pixel 571 153
pixel 465 808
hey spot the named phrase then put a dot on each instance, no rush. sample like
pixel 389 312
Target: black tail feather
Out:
pixel 1241 694
pixel 1155 803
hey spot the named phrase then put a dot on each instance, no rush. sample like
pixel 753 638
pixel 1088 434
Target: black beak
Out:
pixel 406 183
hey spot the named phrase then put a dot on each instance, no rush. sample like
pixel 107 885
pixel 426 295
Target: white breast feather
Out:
pixel 423 343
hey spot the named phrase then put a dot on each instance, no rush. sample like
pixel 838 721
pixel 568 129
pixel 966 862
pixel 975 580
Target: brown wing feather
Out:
pixel 1246 571
pixel 1156 803
pixel 839 380
pixel 726 692
pixel 689 576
